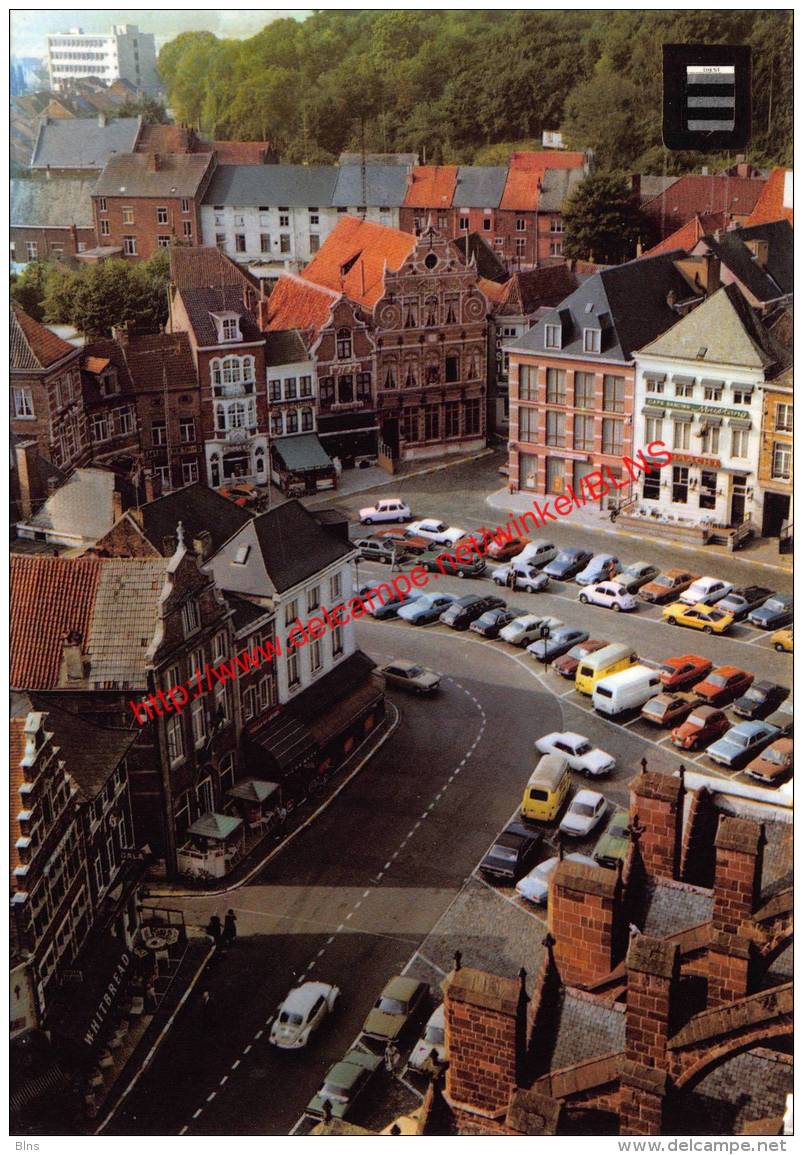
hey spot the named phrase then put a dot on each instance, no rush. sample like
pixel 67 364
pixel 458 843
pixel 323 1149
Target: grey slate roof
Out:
pixel 83 144
pixel 556 185
pixel 295 185
pixel 386 184
pixel 479 187
pixel 586 1029
pixel 198 508
pixel 671 909
pixel 55 203
pixel 285 347
pixel 765 283
pixel 179 174
pixel 201 303
pixel 124 618
pixel 91 753
pixel 489 264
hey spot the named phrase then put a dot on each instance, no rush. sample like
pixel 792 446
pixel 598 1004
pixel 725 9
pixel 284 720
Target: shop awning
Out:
pixel 302 452
pixel 712 383
pixel 710 421
pixel 652 411
pixel 327 691
pixel 343 713
pixel 681 379
pixel 253 790
pixel 740 423
pixel 91 990
pixel 287 741
pixel 678 415
pixel 216 826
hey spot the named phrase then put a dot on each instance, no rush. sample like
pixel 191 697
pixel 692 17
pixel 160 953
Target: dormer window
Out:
pixel 109 384
pixel 552 336
pixel 591 341
pixel 228 326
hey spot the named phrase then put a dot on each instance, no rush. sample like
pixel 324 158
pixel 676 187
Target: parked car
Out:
pixel 723 685
pixel 387 606
pixel 741 742
pixel 667 586
pixel 743 599
pixel 526 628
pixel 301 1013
pixel 559 641
pixel 775 612
pixel 636 575
pixel 706 591
pixel 537 552
pixel 602 567
pixel 437 531
pixel 527 577
pixel 581 755
pixel 462 612
pixel 344 1083
pixel 773 765
pixel 402 999
pixel 709 619
pixel 492 622
pixel 438 561
pixel 388 509
pixel 681 672
pixel 612 844
pixel 407 675
pixel 410 542
pixel 703 725
pixel 426 608
pixel 626 690
pixel 379 549
pixel 513 853
pixel 760 700
pixel 242 494
pixel 612 595
pixel 535 885
pixel 504 550
pixel 433 1039
pixel 568 563
pixel 782 641
pixel 567 664
pixel 585 811
pixel 668 709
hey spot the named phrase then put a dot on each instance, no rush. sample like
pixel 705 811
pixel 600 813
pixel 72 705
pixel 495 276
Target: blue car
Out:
pixel 383 606
pixel 742 742
pixel 559 642
pixel 602 567
pixel 568 563
pixel 776 612
pixel 426 608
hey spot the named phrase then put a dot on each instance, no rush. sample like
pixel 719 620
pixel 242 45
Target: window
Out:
pixel 499 242
pixel 221 702
pixel 613 394
pixel 175 738
pixel 220 240
pixel 314 218
pixel 198 715
pixel 189 472
pixel 161 216
pixel 712 392
pixel 264 242
pixel 443 222
pixel 239 220
pixel 159 432
pixel 783 418
pixel 226 774
pixel 464 224
pixel 185 205
pixel 583 432
pixel 528 382
pixel 584 390
pixel 613 436
pixel 290 389
pixel 105 230
pixel 316 661
pixel 284 220
pixel 337 640
pixel 710 439
pixel 555 248
pixel 326 389
pixel 451 419
pixel 782 461
pixel 680 484
pixel 521 246
pixel 528 424
pixel 684 388
pixel 708 489
pixel 592 340
pixel 652 429
pixel 345 389
pixel 344 344
pixel 335 586
pixel 742 394
pixel 276 424
pixel 218 646
pixel 431 422
pixel 130 246
pixel 290 612
pixel 739 441
pixel 124 420
pixel 555 225
pixel 410 424
pixel 23 402
pixel 187 228
pixel 190 618
pixel 32 249
pixel 186 427
pixel 102 206
pixel 452 366
pixel 305 386
pixel 291 420
pixel 556 387
pixel 99 427
pixel 249 702
pixel 651 490
pixel 521 225
pixel 293 674
pixel 653 384
pixel 473 416
pixel 274 389
pixel 239 242
pixel 681 434
pixel 363 386
pixel 231 332
pixel 486 224
pixel 266 694
pixel 552 336
pixel 555 428
pixel 163 242
pixel 128 216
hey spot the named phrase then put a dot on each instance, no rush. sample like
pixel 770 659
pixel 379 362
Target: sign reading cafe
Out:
pixel 709 410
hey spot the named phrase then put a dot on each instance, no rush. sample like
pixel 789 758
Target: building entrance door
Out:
pixel 555 474
pixel 738 499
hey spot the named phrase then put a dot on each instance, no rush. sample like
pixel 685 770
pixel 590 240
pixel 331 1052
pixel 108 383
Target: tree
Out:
pixel 602 222
pixel 28 288
pixel 151 111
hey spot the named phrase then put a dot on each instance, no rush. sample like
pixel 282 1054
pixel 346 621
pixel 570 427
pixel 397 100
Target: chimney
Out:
pixel 760 250
pixel 635 184
pixel 657 801
pixel 72 659
pixel 712 273
pixel 653 971
pixel 101 120
pixel 737 875
pixel 117 504
pixel 202 544
pixel 585 914
pixel 704 170
pixel 154 163
pixel 150 487
pixel 31 492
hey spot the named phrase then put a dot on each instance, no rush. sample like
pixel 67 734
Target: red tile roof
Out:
pixel 770 206
pixel 431 186
pixel 163 138
pixel 540 161
pixel 495 292
pixel 50 596
pixel 296 304
pixel 32 345
pixel 204 267
pixel 16 780
pixel 240 151
pixel 695 194
pixel 687 236
pixel 353 258
pixel 525 172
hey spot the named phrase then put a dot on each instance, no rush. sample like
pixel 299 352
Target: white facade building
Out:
pixel 124 54
pixel 292 396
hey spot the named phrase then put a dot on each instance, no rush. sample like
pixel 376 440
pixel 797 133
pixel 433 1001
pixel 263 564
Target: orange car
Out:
pixel 667 586
pixel 241 493
pixel 505 550
pixel 681 672
pixel 723 685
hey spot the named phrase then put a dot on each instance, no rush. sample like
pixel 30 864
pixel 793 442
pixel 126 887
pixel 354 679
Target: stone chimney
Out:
pixel 485 1027
pixel 30 487
pixel 584 914
pixel 72 659
pixel 657 800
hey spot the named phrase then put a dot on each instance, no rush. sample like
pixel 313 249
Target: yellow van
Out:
pixel 609 660
pixel 546 790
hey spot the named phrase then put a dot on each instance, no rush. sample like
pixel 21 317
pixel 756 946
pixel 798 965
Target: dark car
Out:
pixel 513 853
pixel 636 575
pixel 558 642
pixel 668 709
pixel 440 560
pixel 380 549
pixel 568 563
pixel 567 665
pixel 742 600
pixel 761 699
pixel 409 542
pixel 776 611
pixel 460 614
pixel 492 621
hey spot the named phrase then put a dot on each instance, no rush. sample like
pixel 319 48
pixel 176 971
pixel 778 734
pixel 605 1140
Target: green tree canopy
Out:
pixel 602 222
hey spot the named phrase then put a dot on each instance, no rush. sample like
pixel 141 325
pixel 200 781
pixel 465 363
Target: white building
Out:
pixel 124 54
pixel 699 389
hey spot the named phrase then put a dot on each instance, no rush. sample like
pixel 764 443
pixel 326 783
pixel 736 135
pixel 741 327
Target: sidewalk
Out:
pixel 360 480
pixel 759 551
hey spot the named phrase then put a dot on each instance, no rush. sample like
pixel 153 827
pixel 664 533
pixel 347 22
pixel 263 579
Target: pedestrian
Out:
pixel 392 1057
pixel 215 928
pixel 230 928
pixel 282 820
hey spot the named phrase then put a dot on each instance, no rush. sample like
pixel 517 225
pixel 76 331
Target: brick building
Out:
pixel 110 404
pixel 697 194
pixel 775 470
pixel 51 219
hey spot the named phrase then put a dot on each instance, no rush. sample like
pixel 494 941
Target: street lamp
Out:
pixel 545 638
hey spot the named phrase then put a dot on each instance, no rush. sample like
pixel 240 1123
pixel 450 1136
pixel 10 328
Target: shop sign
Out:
pixel 106 1000
pixel 709 410
pixel 705 462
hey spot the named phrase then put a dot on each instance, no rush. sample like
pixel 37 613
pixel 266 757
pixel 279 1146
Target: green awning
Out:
pixel 302 452
pixel 218 826
pixel 253 790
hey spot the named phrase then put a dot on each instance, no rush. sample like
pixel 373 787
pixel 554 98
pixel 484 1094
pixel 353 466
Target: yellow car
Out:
pixel 782 640
pixel 700 617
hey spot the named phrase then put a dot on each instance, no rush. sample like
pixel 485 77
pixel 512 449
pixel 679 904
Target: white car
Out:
pixel 537 553
pixel 585 810
pixel 301 1013
pixel 535 885
pixel 706 590
pixel 521 631
pixel 431 1040
pixel 582 756
pixel 388 509
pixel 612 595
pixel 437 531
pixel 528 577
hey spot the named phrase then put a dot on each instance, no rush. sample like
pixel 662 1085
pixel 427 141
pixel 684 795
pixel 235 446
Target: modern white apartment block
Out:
pixel 124 54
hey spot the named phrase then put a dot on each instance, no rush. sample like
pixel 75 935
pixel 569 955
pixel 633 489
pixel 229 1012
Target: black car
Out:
pixel 440 560
pixel 761 699
pixel 741 601
pixel 568 563
pixel 460 614
pixel 492 621
pixel 380 549
pixel 513 853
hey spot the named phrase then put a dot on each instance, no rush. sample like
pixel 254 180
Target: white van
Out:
pixel 627 690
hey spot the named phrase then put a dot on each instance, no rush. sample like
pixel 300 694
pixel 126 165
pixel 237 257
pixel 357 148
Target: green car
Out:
pixel 398 1005
pixel 442 561
pixel 343 1083
pixel 612 845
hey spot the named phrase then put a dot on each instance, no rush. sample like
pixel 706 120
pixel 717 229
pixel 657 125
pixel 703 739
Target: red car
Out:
pixel 668 709
pixel 241 493
pixel 409 542
pixel 723 685
pixel 667 586
pixel 680 673
pixel 704 725
pixel 503 551
pixel 567 665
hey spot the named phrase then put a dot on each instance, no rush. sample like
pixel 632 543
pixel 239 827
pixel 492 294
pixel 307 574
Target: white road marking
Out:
pixel 210 1097
pixel 198 1112
pixel 235 1064
pixel 259 1033
pixel 183 1130
pixel 247 1049
pixel 224 1080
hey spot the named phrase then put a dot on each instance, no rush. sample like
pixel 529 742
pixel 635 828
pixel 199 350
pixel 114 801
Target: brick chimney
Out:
pixel 30 489
pixel 657 801
pixel 117 504
pixel 485 1027
pixel 154 162
pixel 653 970
pixel 737 875
pixel 584 914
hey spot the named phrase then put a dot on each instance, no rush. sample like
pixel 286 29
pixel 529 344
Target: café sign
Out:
pixel 708 410
pixel 688 459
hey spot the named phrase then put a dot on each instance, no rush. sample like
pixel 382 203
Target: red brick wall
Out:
pixel 537 235
pixel 58 405
pixel 657 799
pixel 146 227
pixel 484 1020
pixel 727 963
pixel 583 912
pixel 51 244
pixel 737 876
